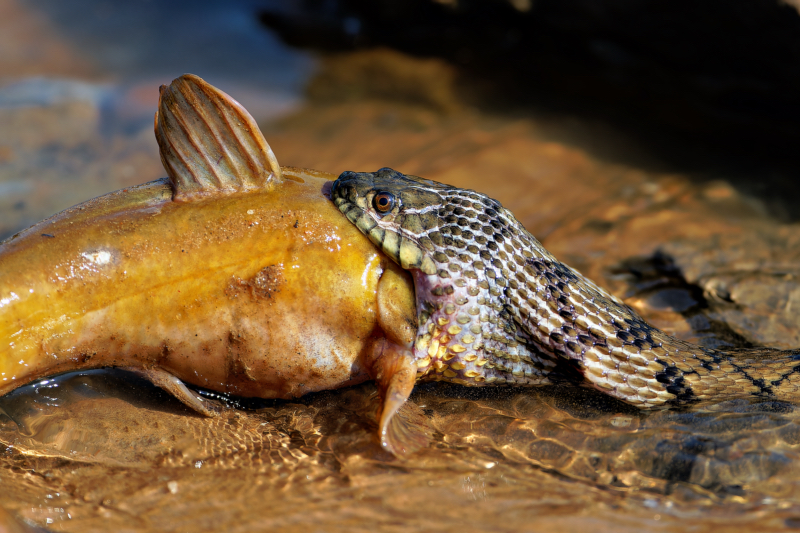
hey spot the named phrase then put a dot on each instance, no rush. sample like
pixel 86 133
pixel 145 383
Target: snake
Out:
pixel 495 307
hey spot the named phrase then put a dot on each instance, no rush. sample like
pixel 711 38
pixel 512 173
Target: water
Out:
pixel 98 447
pixel 103 450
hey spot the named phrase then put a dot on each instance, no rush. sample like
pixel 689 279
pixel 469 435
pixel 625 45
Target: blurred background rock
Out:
pixel 708 88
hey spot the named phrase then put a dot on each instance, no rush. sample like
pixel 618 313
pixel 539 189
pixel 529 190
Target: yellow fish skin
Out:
pixel 234 274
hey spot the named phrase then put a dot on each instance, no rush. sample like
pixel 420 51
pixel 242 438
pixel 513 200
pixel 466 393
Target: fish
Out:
pixel 233 274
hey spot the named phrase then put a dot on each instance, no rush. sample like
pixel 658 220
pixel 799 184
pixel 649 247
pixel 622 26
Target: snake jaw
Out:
pixel 353 194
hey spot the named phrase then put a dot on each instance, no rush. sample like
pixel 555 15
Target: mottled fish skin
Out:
pixel 494 306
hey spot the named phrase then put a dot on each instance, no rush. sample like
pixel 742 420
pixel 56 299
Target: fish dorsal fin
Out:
pixel 209 143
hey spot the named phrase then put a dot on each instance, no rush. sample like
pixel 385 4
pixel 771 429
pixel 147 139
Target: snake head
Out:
pixel 399 213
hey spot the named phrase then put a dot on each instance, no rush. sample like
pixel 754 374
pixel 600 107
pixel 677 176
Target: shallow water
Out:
pixel 103 450
pixel 100 450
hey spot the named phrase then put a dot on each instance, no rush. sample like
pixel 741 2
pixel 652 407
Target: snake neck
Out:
pixel 466 336
pixel 509 316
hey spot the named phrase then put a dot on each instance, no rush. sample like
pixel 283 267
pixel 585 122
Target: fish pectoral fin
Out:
pixel 166 381
pixel 209 143
pixel 403 427
pixel 407 431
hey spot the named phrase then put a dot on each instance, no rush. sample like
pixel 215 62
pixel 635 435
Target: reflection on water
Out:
pixel 103 450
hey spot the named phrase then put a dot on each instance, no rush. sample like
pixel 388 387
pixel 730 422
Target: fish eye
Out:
pixel 383 202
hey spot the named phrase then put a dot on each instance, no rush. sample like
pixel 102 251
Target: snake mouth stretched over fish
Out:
pixel 494 306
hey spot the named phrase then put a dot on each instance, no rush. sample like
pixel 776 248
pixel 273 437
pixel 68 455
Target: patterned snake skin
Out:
pixel 495 307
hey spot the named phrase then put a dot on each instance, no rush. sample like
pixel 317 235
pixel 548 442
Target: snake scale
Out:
pixel 494 306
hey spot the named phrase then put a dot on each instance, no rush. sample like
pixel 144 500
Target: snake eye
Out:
pixel 383 202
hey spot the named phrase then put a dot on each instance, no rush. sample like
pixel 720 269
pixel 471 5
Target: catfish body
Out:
pixel 261 294
pixel 234 274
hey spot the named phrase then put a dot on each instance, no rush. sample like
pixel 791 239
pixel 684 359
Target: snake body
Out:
pixel 494 306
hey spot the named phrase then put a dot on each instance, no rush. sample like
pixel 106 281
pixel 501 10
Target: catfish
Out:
pixel 233 274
